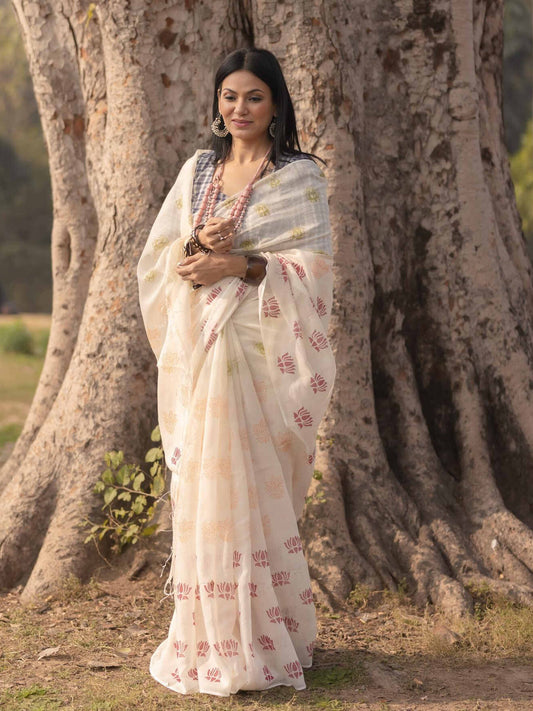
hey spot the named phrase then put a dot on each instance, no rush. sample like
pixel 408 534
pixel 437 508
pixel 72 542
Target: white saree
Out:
pixel 245 375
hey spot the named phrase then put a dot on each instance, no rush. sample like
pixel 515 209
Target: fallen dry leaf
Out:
pixel 48 652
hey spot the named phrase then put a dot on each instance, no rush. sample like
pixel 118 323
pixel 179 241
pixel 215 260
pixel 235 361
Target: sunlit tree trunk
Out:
pixel 426 450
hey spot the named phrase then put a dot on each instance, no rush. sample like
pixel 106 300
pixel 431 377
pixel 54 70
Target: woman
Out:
pixel 235 290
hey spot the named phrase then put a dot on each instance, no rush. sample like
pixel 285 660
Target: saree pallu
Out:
pixel 244 376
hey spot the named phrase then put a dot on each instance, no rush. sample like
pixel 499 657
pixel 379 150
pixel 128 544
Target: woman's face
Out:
pixel 245 103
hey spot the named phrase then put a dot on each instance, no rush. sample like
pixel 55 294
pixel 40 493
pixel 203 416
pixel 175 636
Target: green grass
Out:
pixel 20 371
pixel 10 433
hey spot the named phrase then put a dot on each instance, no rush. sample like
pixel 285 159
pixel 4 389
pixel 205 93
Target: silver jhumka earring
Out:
pixel 272 127
pixel 218 127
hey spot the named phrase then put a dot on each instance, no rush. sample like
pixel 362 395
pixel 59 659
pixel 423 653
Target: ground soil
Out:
pixel 89 648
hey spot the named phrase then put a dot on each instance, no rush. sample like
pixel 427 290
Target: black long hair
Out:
pixel 266 67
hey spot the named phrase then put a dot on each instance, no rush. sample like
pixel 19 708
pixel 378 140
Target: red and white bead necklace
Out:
pixel 238 209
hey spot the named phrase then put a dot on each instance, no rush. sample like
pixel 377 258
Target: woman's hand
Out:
pixel 207 269
pixel 217 234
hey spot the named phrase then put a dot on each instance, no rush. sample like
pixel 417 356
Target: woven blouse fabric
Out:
pixel 205 168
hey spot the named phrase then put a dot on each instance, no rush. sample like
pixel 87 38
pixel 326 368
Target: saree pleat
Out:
pixel 245 374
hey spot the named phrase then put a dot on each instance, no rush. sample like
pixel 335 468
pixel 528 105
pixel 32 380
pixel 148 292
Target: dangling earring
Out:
pixel 217 129
pixel 272 127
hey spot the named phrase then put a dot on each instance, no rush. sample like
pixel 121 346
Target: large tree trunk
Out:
pixel 426 452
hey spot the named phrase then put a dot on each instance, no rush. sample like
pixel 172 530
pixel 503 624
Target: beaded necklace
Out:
pixel 238 209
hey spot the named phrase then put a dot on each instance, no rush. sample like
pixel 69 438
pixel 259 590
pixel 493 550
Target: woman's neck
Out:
pixel 243 152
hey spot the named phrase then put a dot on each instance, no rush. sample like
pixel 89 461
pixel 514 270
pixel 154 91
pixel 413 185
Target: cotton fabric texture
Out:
pixel 244 376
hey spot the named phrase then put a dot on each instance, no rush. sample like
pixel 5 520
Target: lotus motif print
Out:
pixel 253 589
pixel 182 591
pixel 318 341
pixel 227 590
pixel 291 624
pixel 237 559
pixel 306 596
pixel 297 330
pixel 271 307
pixel 241 290
pixel 274 614
pixel 293 669
pixel 267 673
pixel 286 363
pixel 202 648
pixel 213 294
pixel 193 673
pixel 318 384
pixel 299 270
pixel 320 307
pixel 180 648
pixel 213 674
pixel 176 674
pixel 266 642
pixel 303 418
pixel 210 588
pixel 293 544
pixel 260 558
pixel 212 338
pixel 283 577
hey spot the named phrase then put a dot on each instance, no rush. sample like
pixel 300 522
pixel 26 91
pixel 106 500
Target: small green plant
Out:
pixel 16 338
pixel 360 596
pixel 130 497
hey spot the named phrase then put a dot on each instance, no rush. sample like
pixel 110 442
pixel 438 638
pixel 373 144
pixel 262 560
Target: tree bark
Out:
pixel 426 450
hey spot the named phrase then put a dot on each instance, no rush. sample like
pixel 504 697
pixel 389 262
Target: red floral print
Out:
pixel 286 363
pixel 202 648
pixel 210 588
pixel 291 624
pixel 180 648
pixel 299 270
pixel 193 673
pixel 297 329
pixel 182 591
pixel 197 592
pixel 318 341
pixel 318 383
pixel 251 647
pixel 241 290
pixel 213 294
pixel 281 578
pixel 306 596
pixel 213 674
pixel 227 648
pixel 320 307
pixel 176 455
pixel 212 338
pixel 266 642
pixel 237 559
pixel 253 589
pixel 311 458
pixel 293 544
pixel 176 674
pixel 293 669
pixel 274 613
pixel 260 558
pixel 267 673
pixel 310 648
pixel 227 590
pixel 303 418
pixel 271 307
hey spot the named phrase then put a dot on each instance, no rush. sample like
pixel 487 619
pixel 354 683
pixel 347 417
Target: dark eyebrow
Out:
pixel 226 88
